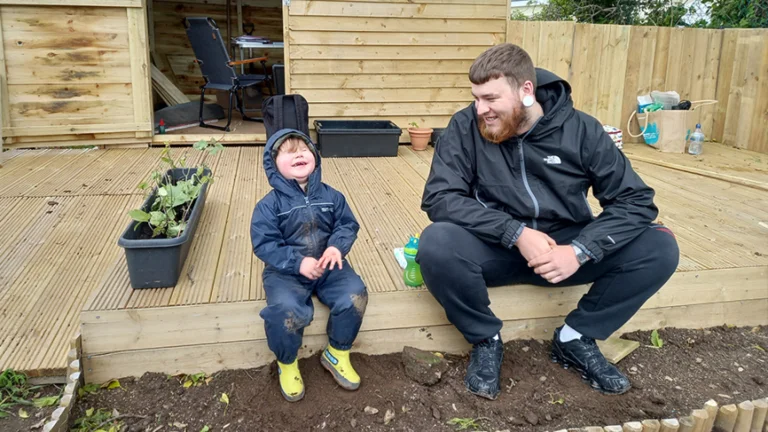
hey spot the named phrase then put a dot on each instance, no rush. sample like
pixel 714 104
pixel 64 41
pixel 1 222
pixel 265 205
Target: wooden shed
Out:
pixel 77 72
pixel 74 74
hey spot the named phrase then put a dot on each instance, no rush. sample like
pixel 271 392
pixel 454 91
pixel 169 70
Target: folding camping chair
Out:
pixel 217 67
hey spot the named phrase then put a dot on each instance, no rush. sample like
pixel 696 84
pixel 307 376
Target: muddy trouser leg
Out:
pixel 289 309
pixel 344 293
pixel 458 267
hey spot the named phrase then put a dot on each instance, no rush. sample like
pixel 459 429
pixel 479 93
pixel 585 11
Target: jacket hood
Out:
pixel 554 95
pixel 276 180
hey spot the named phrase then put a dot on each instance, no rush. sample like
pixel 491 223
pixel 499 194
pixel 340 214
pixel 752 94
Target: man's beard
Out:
pixel 509 122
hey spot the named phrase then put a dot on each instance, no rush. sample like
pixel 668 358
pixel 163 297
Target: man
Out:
pixel 507 195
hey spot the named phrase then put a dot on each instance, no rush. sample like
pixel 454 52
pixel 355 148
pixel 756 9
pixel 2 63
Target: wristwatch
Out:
pixel 581 257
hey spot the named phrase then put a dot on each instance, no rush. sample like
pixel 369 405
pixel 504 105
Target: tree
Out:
pixel 738 13
pixel 666 13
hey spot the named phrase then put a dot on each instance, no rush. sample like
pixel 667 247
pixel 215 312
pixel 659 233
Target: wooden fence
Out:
pixel 608 66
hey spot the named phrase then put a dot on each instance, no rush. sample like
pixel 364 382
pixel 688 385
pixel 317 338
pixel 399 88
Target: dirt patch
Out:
pixel 36 416
pixel 725 364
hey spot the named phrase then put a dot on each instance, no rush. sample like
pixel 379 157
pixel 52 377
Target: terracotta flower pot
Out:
pixel 420 138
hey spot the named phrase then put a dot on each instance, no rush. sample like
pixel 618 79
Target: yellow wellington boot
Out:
pixel 291 384
pixel 338 364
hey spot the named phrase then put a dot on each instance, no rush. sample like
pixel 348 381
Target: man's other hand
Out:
pixel 532 243
pixel 556 266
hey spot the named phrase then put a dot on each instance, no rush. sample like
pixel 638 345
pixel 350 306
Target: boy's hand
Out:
pixel 310 268
pixel 331 256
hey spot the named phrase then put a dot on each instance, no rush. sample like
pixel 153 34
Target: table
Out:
pixel 250 45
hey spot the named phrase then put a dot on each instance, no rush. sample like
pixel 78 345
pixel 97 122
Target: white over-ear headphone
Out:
pixel 528 101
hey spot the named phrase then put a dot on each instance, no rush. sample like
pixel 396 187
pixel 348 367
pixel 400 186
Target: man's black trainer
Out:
pixel 583 355
pixel 484 369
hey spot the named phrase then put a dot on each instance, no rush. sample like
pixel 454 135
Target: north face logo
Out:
pixel 552 160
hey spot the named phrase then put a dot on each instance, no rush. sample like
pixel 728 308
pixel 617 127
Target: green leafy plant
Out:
pixel 656 341
pixel 88 389
pixel 97 420
pixel 414 124
pixel 464 423
pixel 194 380
pixel 45 401
pixel 15 390
pixel 173 200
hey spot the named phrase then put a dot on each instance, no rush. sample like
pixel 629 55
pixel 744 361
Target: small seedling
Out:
pixel 88 389
pixel 205 428
pixel 225 399
pixel 97 420
pixel 194 380
pixel 758 347
pixel 656 341
pixel 414 124
pixel 558 401
pixel 464 423
pixel 211 146
pixel 111 384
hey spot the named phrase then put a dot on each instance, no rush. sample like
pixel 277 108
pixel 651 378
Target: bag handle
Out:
pixel 702 103
pixel 698 103
pixel 629 122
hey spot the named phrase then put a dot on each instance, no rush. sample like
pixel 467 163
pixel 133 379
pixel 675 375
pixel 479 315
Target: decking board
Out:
pixel 62 210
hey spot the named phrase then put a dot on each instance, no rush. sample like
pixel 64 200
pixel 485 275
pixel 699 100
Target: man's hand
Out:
pixel 310 268
pixel 557 265
pixel 532 243
pixel 331 256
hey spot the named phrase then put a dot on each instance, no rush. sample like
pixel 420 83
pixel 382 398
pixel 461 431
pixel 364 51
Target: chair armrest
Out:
pixel 242 62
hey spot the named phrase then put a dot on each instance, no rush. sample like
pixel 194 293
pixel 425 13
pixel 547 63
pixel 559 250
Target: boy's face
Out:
pixel 295 161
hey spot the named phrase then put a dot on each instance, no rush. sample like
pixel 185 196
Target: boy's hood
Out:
pixel 276 180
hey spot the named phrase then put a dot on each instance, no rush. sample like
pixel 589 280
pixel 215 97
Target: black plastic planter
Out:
pixel 157 263
pixel 357 138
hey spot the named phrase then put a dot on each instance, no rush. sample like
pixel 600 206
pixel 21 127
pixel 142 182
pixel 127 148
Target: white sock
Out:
pixel 496 337
pixel 567 334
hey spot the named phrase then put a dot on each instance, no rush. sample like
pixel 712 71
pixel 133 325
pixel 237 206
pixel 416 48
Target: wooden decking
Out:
pixel 62 211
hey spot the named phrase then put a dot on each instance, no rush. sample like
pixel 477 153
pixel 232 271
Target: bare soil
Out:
pixel 693 366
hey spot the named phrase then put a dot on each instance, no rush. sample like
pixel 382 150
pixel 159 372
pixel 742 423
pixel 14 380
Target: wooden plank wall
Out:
pixel 74 73
pixel 392 59
pixel 608 66
pixel 174 53
pixel 742 113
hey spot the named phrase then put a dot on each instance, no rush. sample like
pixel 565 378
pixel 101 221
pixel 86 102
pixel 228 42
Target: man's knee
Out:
pixel 666 253
pixel 437 243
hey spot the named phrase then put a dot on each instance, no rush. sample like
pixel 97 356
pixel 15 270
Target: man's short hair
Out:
pixel 504 60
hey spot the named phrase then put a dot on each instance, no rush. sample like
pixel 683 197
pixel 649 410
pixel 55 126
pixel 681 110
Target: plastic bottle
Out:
pixel 161 127
pixel 696 141
pixel 412 273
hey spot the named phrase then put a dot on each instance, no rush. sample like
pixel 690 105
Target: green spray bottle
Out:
pixel 412 274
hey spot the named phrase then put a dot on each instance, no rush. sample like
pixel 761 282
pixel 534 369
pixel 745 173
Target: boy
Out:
pixel 302 230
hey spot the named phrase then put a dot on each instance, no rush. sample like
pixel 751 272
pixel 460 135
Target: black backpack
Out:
pixel 285 112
